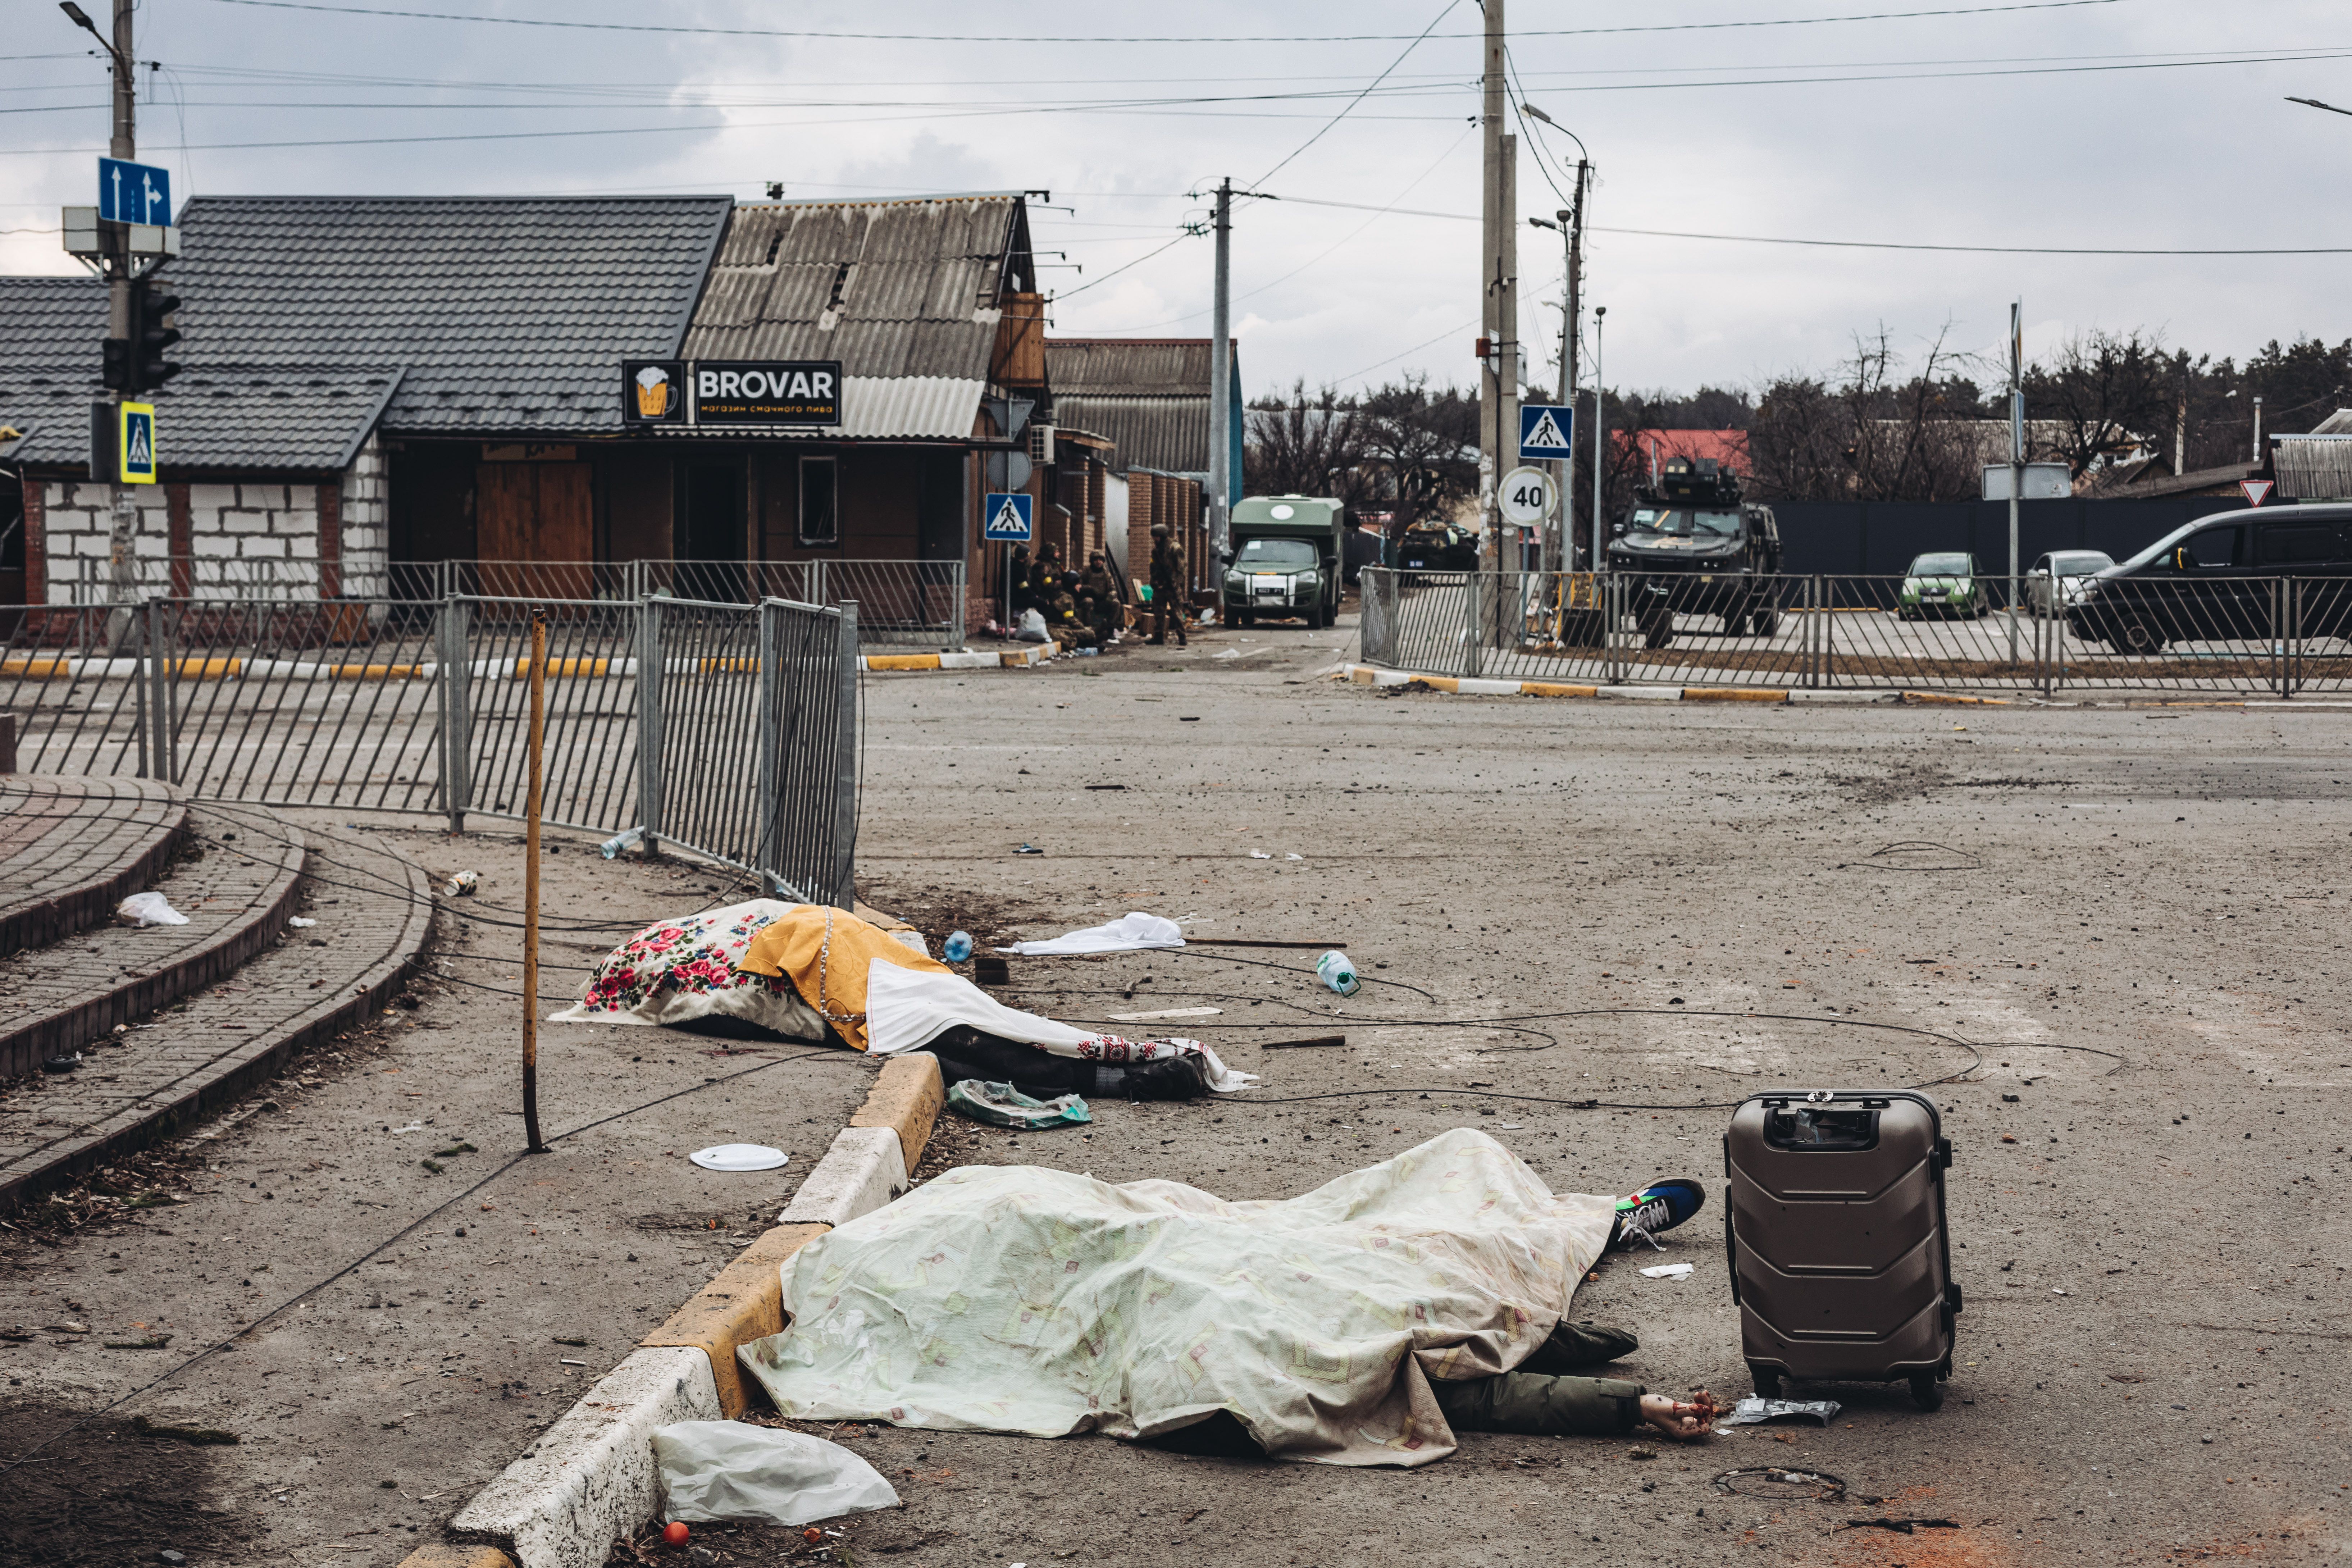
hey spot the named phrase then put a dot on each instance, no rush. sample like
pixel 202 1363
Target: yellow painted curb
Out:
pixel 381 671
pixel 440 1556
pixel 1552 688
pixel 743 1303
pixel 745 1300
pixel 1948 700
pixel 902 661
pixel 1733 694
pixel 907 1097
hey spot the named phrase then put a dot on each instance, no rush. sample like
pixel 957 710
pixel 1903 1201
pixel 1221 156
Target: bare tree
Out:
pixel 2103 395
pixel 1874 434
pixel 1425 444
pixel 1308 444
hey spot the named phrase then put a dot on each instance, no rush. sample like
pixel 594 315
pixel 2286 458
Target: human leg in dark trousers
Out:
pixel 1543 1396
pixel 966 1052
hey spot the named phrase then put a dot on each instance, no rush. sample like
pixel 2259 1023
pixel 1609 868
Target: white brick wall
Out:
pixel 245 541
pixel 367 534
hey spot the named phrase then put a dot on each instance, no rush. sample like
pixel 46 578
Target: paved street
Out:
pixel 2104 914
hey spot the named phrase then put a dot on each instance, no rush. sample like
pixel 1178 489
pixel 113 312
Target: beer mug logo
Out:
pixel 654 393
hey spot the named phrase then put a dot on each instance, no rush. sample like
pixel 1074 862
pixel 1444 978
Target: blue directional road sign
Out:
pixel 1008 513
pixel 1546 430
pixel 133 192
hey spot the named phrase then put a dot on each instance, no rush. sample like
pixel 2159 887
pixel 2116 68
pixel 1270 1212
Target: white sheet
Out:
pixel 1011 1298
pixel 906 1009
pixel 1131 932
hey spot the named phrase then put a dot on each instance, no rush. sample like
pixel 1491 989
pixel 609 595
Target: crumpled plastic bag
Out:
pixel 148 910
pixel 1134 931
pixel 1002 1105
pixel 717 1470
pixel 1032 627
pixel 1756 1407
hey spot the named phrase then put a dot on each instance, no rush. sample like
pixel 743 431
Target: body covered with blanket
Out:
pixel 1036 1302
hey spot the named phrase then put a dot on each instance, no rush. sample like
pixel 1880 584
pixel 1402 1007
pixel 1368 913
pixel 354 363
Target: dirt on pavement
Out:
pixel 2099 936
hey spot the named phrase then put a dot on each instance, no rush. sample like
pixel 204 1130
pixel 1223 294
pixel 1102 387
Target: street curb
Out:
pixel 592 1471
pixel 1022 658
pixel 438 1555
pixel 66 914
pixel 590 1478
pixel 1472 686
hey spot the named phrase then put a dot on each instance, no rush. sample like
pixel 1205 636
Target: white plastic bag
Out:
pixel 1032 627
pixel 714 1470
pixel 149 910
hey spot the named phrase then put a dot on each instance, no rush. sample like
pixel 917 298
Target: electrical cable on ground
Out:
pixel 408 1229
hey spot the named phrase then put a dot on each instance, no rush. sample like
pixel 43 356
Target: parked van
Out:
pixel 2211 580
pixel 1286 560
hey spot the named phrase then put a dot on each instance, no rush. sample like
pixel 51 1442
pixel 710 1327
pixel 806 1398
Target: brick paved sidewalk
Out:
pixel 373 910
pixel 73 847
pixel 234 888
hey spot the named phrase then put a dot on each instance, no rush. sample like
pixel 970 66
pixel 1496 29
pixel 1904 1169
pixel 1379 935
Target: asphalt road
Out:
pixel 2117 916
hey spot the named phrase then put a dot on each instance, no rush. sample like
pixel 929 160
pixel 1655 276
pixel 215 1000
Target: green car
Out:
pixel 1946 583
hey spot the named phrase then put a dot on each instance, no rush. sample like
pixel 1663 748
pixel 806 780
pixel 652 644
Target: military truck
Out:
pixel 1286 560
pixel 1692 546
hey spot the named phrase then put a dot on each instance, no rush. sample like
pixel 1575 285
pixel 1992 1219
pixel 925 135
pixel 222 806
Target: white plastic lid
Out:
pixel 738 1157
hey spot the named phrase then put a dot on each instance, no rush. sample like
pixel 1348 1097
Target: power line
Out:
pixel 1191 38
pixel 1116 270
pixel 1444 11
pixel 1865 244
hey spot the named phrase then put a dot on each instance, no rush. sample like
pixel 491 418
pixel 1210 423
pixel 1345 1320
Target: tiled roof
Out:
pixel 906 288
pixel 511 315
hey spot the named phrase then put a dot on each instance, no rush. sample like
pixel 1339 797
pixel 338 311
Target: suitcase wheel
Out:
pixel 1926 1391
pixel 1767 1381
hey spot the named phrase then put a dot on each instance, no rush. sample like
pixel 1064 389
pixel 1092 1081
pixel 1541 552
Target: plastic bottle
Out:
pixel 1336 972
pixel 958 947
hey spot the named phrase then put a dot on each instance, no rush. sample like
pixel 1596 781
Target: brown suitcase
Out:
pixel 1841 1257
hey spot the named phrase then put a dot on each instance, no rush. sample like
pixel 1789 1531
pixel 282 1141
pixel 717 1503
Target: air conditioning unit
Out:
pixel 1041 443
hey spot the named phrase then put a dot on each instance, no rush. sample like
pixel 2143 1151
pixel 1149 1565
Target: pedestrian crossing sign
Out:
pixel 1546 430
pixel 1006 515
pixel 136 444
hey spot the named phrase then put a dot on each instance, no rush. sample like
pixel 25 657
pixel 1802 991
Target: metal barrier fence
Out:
pixel 419 706
pixel 2186 631
pixel 901 603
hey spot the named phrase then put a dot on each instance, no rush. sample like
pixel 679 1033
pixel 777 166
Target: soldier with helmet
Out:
pixel 1167 584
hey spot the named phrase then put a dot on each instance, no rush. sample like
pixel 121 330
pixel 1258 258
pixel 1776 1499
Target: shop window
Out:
pixel 820 514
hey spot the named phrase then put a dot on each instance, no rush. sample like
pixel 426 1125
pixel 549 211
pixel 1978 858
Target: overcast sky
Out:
pixel 1984 127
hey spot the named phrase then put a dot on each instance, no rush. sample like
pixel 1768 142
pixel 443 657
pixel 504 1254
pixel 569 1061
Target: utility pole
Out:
pixel 1221 376
pixel 1499 376
pixel 2017 466
pixel 1600 468
pixel 1574 219
pixel 122 530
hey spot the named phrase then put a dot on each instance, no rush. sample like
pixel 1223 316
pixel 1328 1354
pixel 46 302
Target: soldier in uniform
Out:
pixel 1099 598
pixel 1167 584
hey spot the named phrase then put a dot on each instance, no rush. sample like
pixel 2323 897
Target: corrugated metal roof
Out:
pixel 887 288
pixel 1129 367
pixel 2314 468
pixel 2336 423
pixel 877 407
pixel 1164 432
pixel 512 314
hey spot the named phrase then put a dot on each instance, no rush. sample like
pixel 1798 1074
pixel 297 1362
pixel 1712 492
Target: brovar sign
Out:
pixel 767 391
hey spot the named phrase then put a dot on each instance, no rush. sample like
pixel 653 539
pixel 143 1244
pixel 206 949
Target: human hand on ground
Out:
pixel 1676 1419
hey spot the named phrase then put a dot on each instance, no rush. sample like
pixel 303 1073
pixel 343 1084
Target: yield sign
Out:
pixel 2257 490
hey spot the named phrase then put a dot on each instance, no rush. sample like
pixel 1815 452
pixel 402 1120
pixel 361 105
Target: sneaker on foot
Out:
pixel 1661 1206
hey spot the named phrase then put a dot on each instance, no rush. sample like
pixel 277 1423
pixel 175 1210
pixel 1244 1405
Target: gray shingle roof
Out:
pixel 904 287
pixel 218 417
pixel 511 314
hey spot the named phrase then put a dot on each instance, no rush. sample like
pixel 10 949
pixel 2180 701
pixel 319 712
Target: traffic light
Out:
pixel 150 333
pixel 114 365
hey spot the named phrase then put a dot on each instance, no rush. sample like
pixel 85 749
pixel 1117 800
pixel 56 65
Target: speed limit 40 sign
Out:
pixel 1528 495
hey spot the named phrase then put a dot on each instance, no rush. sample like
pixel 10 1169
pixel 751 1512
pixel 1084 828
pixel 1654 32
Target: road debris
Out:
pixel 738 1157
pixel 1002 1105
pixel 713 1471
pixel 1667 1271
pixel 1756 1409
pixel 151 909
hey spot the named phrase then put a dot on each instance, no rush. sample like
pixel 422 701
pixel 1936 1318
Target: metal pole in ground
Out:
pixel 2016 456
pixel 530 884
pixel 844 837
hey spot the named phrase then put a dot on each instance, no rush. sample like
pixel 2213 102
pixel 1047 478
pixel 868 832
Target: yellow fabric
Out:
pixel 825 952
